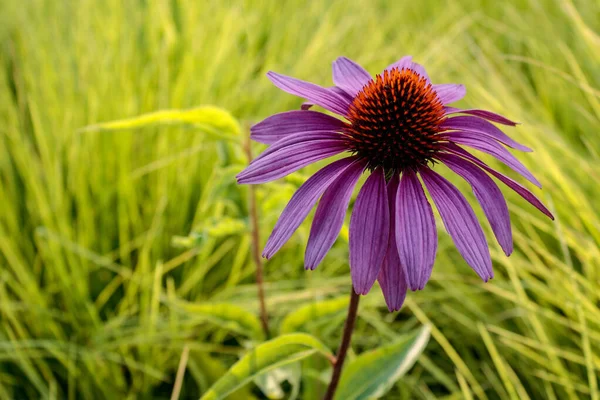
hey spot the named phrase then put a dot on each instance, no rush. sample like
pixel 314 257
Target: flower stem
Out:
pixel 264 319
pixel 347 335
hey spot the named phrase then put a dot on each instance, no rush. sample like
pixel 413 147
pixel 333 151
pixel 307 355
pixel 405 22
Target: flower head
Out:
pixel 399 127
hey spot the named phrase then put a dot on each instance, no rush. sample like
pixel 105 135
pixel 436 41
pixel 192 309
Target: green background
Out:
pixel 115 244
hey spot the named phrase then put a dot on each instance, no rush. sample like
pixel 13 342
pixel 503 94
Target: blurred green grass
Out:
pixel 92 282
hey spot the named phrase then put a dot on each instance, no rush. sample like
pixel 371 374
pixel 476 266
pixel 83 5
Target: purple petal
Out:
pixel 369 232
pixel 307 104
pixel 392 277
pixel 289 155
pixel 330 214
pixel 489 196
pixel 326 98
pixel 517 187
pixel 419 69
pixel 349 76
pixel 450 92
pixel 481 126
pixel 406 62
pixel 460 222
pixel 306 137
pixel 491 147
pixel 490 116
pixel 392 280
pixel 301 203
pixel 288 123
pixel 416 235
pixel 338 90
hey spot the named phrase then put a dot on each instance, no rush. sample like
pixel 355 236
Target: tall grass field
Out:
pixel 126 243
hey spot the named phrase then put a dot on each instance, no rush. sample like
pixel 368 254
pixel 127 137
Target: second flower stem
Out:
pixel 344 345
pixel 264 318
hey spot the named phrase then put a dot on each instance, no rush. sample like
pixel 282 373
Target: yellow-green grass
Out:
pixel 96 279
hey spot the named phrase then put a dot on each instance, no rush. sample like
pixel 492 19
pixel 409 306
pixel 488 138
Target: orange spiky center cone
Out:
pixel 395 121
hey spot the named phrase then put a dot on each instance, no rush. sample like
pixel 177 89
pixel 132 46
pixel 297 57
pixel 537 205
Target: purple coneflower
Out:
pixel 397 126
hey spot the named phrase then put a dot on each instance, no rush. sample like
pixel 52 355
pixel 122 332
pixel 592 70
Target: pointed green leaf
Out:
pixel 265 357
pixel 213 120
pixel 372 374
pixel 212 369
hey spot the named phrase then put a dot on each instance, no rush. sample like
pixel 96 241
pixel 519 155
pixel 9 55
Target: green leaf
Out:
pixel 270 382
pixel 265 357
pixel 372 374
pixel 212 120
pixel 211 370
pixel 298 318
pixel 228 316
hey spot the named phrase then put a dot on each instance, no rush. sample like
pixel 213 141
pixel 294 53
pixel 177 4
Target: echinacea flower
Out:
pixel 398 127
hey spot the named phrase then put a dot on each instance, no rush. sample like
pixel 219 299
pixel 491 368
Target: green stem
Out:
pixel 264 318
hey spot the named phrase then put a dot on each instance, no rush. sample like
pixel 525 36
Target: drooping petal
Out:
pixel 369 232
pixel 281 125
pixel 330 214
pixel 349 76
pixel 392 277
pixel 406 62
pixel 522 191
pixel 450 92
pixel 326 98
pixel 289 155
pixel 416 235
pixel 490 116
pixel 481 127
pixel 517 187
pixel 489 196
pixel 460 222
pixel 301 203
pixel 491 147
